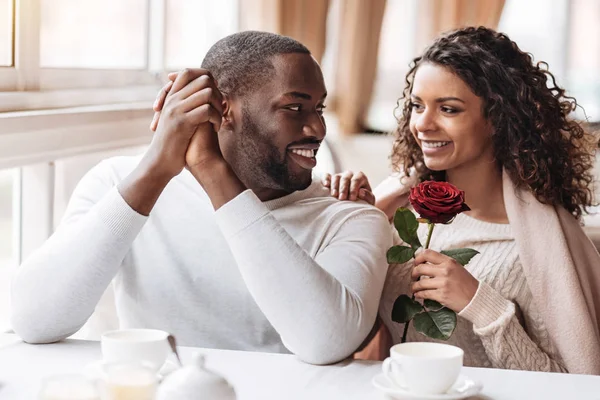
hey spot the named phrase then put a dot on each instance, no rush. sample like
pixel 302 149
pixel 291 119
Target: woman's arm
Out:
pixel 392 193
pixel 506 342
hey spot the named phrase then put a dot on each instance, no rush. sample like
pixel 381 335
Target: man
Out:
pixel 219 238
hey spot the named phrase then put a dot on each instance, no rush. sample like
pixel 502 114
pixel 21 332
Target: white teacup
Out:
pixel 135 345
pixel 424 368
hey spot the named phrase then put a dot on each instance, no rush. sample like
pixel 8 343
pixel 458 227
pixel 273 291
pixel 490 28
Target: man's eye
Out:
pixel 295 108
pixel 321 109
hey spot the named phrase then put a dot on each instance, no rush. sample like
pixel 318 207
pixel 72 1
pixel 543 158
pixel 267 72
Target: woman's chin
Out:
pixel 436 165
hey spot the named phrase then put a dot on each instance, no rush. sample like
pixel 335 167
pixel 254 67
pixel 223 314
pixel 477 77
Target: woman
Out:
pixel 481 115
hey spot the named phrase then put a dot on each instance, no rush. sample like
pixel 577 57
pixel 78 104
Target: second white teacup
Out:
pixel 424 368
pixel 135 345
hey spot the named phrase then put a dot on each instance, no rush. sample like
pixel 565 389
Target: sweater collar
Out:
pixel 314 190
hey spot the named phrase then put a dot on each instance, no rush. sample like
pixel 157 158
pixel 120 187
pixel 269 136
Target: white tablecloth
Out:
pixel 275 376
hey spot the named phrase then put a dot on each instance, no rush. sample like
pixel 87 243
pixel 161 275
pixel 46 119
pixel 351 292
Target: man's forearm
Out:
pixel 56 289
pixel 323 309
pixel 218 181
pixel 143 186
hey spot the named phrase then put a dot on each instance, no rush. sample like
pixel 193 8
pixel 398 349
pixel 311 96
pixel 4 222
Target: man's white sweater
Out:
pixel 303 273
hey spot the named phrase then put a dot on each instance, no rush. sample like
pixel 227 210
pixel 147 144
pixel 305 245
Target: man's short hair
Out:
pixel 242 62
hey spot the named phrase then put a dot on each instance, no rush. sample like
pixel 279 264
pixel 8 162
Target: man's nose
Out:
pixel 315 127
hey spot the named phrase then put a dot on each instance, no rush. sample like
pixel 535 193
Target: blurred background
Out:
pixel 78 78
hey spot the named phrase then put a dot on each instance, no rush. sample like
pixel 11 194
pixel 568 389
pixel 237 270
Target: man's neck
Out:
pixel 265 194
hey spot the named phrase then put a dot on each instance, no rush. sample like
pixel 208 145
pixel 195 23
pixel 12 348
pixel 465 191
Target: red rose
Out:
pixel 438 202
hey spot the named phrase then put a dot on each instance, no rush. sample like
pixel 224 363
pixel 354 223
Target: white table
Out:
pixel 275 376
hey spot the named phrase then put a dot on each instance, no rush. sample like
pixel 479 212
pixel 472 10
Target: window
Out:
pixel 583 64
pixel 566 35
pixel 396 51
pixel 190 32
pixel 6 33
pixel 93 34
pixel 544 35
pixel 82 81
pixel 7 190
pixel 8 236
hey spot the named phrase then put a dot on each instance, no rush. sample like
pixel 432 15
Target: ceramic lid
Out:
pixel 195 382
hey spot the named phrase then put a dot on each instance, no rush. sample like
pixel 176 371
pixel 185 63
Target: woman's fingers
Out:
pixel 335 185
pixel 357 182
pixel 428 270
pixel 345 182
pixel 326 180
pixel 367 196
pixel 349 186
pixel 430 256
pixel 425 284
pixel 431 294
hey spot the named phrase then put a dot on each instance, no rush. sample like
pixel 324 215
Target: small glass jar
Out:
pixel 69 387
pixel 130 381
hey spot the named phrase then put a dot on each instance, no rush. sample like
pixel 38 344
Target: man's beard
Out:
pixel 260 164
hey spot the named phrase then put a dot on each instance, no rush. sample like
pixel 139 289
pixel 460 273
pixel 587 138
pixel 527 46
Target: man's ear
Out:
pixel 228 122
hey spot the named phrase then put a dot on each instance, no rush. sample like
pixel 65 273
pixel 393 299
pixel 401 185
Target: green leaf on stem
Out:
pixel 406 224
pixel 400 254
pixel 432 305
pixel 463 256
pixel 436 324
pixel 405 309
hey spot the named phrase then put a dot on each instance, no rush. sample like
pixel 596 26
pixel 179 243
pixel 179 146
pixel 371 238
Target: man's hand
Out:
pixel 192 103
pixel 203 149
pixel 160 100
pixel 203 156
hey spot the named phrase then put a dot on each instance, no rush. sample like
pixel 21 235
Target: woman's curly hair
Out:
pixel 534 140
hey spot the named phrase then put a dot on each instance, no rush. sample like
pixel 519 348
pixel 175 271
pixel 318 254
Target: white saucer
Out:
pixel 464 387
pixel 94 370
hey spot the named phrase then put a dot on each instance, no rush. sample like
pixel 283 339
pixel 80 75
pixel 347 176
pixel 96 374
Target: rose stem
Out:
pixel 431 226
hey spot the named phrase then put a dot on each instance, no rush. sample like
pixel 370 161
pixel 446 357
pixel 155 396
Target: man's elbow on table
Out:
pixel 325 352
pixel 321 358
pixel 32 328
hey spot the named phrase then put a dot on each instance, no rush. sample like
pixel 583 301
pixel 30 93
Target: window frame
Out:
pixel 29 84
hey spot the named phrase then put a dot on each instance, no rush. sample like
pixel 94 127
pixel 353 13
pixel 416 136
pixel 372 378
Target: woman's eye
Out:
pixel 449 110
pixel 415 106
